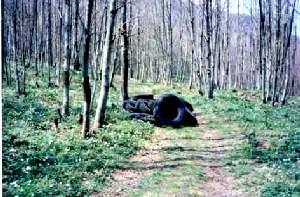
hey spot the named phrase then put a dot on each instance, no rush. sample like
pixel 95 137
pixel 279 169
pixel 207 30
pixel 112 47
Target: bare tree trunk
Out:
pixel 130 40
pixel 106 57
pixel 138 53
pixel 292 86
pixel 16 69
pixel 3 44
pixel 209 53
pixel 50 53
pixel 35 7
pixel 115 62
pixel 270 51
pixel 76 49
pixel 58 68
pixel 262 49
pixel 278 51
pixel 238 41
pixel 67 58
pixel 22 42
pixel 42 47
pixel 217 56
pixel 286 58
pixel 85 72
pixel 228 67
pixel 170 36
pixel 125 46
pixel 192 20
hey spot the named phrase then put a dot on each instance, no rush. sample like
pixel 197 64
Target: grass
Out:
pixel 272 140
pixel 169 181
pixel 37 160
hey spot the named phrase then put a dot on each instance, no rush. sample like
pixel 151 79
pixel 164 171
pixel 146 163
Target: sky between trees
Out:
pixel 245 9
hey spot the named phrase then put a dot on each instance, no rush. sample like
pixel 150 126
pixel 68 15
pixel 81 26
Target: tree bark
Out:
pixel 85 72
pixel 170 36
pixel 50 53
pixel 278 51
pixel 76 49
pixel 262 49
pixel 285 59
pixel 125 46
pixel 3 44
pixel 192 20
pixel 106 57
pixel 58 68
pixel 35 7
pixel 209 52
pixel 67 58
pixel 16 69
pixel 228 67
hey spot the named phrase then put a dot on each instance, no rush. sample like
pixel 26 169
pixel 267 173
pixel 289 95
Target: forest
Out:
pixel 150 98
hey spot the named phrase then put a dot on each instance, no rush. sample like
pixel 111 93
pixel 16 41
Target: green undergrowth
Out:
pixel 270 151
pixel 40 161
pixel 268 157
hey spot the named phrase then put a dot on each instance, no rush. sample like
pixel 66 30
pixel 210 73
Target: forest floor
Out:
pixel 182 162
pixel 240 148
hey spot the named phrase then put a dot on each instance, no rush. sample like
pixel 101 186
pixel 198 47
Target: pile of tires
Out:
pixel 168 110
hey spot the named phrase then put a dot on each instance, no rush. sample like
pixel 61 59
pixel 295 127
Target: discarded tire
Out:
pixel 142 96
pixel 168 109
pixel 139 106
pixel 144 117
pixel 188 105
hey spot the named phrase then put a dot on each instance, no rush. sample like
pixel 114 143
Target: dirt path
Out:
pixel 179 162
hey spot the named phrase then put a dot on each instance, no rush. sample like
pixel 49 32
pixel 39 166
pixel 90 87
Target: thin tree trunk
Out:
pixel 209 52
pixel 170 35
pixel 138 54
pixel 262 57
pixel 67 59
pixel 42 47
pixel 106 57
pixel 76 49
pixel 192 20
pixel 3 44
pixel 228 67
pixel 218 42
pixel 58 68
pixel 35 7
pixel 16 69
pixel 278 51
pixel 85 73
pixel 115 62
pixel 125 46
pixel 286 58
pixel 50 53
pixel 270 51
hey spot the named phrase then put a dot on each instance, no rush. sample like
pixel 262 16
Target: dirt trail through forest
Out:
pixel 187 162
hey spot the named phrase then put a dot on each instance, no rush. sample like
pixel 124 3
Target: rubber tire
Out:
pixel 189 119
pixel 188 105
pixel 144 117
pixel 173 103
pixel 143 96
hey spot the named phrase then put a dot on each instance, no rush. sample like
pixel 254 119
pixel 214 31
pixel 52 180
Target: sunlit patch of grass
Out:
pixel 170 181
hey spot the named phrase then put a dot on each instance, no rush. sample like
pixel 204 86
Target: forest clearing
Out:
pixel 150 98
